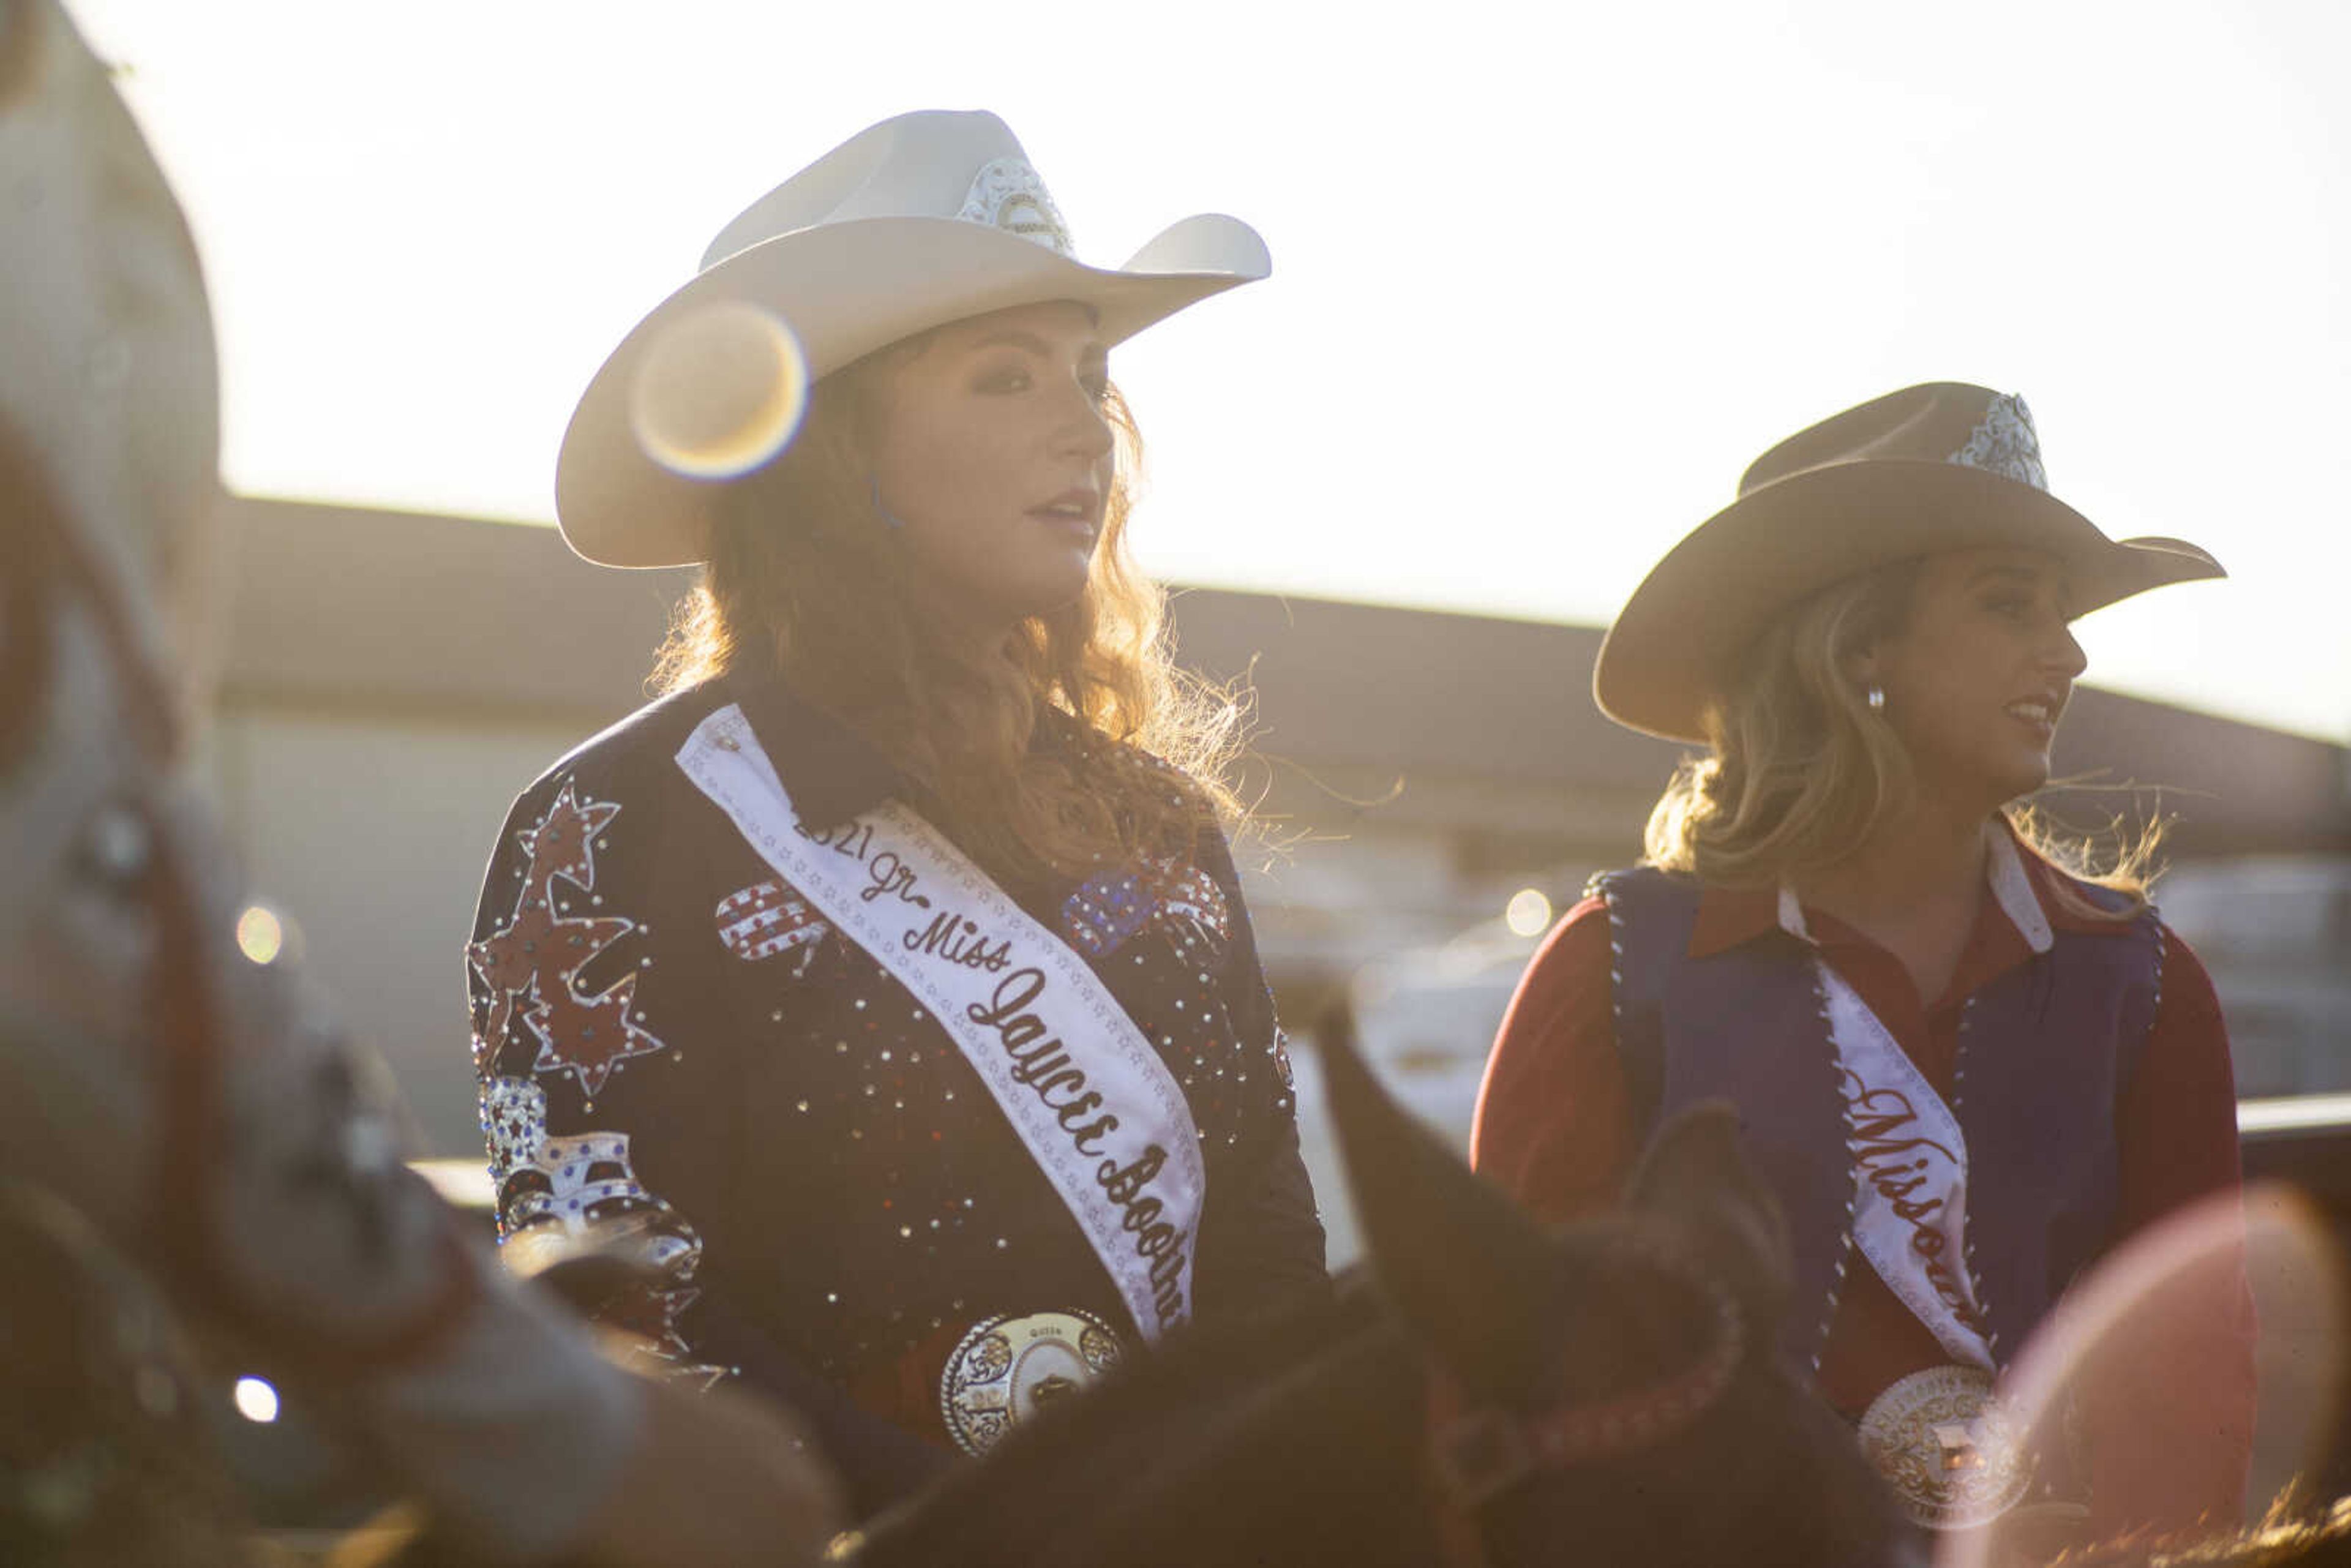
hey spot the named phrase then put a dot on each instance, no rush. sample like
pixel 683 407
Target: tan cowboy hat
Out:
pixel 1931 468
pixel 920 220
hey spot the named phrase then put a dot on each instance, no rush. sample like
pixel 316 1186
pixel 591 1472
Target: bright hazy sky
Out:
pixel 1547 276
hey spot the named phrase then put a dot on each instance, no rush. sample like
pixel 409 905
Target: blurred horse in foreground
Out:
pixel 1484 1395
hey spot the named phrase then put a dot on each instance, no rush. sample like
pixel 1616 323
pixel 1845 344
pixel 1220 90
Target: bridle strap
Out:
pixel 49 560
pixel 1478 1453
pixel 1460 1543
pixel 187 1016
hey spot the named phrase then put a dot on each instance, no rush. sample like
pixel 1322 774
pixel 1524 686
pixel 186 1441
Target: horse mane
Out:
pixel 2314 1540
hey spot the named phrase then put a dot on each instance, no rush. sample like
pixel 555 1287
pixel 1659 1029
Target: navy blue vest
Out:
pixel 2044 1050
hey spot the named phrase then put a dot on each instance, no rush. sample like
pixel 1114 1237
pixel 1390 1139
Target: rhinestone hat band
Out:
pixel 2005 443
pixel 1007 194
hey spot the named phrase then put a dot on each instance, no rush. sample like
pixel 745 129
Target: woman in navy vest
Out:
pixel 1966 1063
pixel 921 732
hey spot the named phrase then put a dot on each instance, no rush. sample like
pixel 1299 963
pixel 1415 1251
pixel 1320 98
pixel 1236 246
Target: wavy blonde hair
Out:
pixel 808 579
pixel 1799 772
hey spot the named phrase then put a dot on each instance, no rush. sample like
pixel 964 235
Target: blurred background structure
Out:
pixel 1438 788
pixel 1545 277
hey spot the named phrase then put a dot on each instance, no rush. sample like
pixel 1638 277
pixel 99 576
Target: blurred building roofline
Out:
pixel 1475 716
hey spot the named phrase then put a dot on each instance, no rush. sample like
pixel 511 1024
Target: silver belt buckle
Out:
pixel 1950 1452
pixel 1009 1367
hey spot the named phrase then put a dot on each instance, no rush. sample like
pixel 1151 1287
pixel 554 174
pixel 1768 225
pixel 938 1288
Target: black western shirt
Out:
pixel 671 1041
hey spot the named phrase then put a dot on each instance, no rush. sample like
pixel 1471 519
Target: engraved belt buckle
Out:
pixel 1007 1368
pixel 1949 1451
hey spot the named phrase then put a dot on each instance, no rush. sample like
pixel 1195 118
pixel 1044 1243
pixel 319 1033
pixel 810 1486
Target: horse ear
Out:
pixel 1694 1177
pixel 1471 1275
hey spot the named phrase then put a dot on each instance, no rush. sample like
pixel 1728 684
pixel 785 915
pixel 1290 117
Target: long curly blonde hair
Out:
pixel 806 579
pixel 1799 773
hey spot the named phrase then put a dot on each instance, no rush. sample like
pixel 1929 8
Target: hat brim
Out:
pixel 1674 646
pixel 846 289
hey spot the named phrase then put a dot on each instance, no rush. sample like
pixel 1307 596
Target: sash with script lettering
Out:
pixel 1084 1090
pixel 1909 1157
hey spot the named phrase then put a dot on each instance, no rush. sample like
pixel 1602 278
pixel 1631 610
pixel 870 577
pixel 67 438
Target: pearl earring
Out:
pixel 1876 698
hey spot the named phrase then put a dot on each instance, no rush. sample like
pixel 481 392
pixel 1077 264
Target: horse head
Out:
pixel 1487 1393
pixel 1615 1385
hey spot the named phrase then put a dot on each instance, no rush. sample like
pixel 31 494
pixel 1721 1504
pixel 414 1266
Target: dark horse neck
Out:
pixel 1301 1440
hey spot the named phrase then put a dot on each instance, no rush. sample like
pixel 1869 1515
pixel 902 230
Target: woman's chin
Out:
pixel 2022 779
pixel 1050 592
pixel 1962 780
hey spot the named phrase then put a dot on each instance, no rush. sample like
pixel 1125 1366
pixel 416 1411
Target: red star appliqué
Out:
pixel 536 956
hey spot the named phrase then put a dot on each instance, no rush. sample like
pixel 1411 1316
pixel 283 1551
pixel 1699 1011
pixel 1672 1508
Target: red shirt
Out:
pixel 1554 1129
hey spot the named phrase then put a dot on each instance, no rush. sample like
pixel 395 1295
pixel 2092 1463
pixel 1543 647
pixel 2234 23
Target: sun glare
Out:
pixel 257 1401
pixel 260 933
pixel 1528 913
pixel 719 391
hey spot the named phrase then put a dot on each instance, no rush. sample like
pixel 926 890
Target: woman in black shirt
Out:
pixel 887 980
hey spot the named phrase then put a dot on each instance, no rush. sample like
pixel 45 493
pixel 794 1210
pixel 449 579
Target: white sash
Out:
pixel 1909 1157
pixel 1097 1108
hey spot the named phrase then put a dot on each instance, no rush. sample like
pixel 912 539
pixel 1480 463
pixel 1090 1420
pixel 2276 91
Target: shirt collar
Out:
pixel 831 772
pixel 2021 902
pixel 2019 897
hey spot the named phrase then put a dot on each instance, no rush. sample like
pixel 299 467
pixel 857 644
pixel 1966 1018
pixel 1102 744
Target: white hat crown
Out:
pixel 933 163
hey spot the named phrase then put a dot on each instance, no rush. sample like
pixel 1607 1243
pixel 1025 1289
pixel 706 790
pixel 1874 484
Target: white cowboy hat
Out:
pixel 923 219
pixel 1943 466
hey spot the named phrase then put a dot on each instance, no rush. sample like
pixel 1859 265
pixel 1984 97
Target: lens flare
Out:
pixel 719 392
pixel 260 934
pixel 256 1400
pixel 1528 913
pixel 2172 1296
